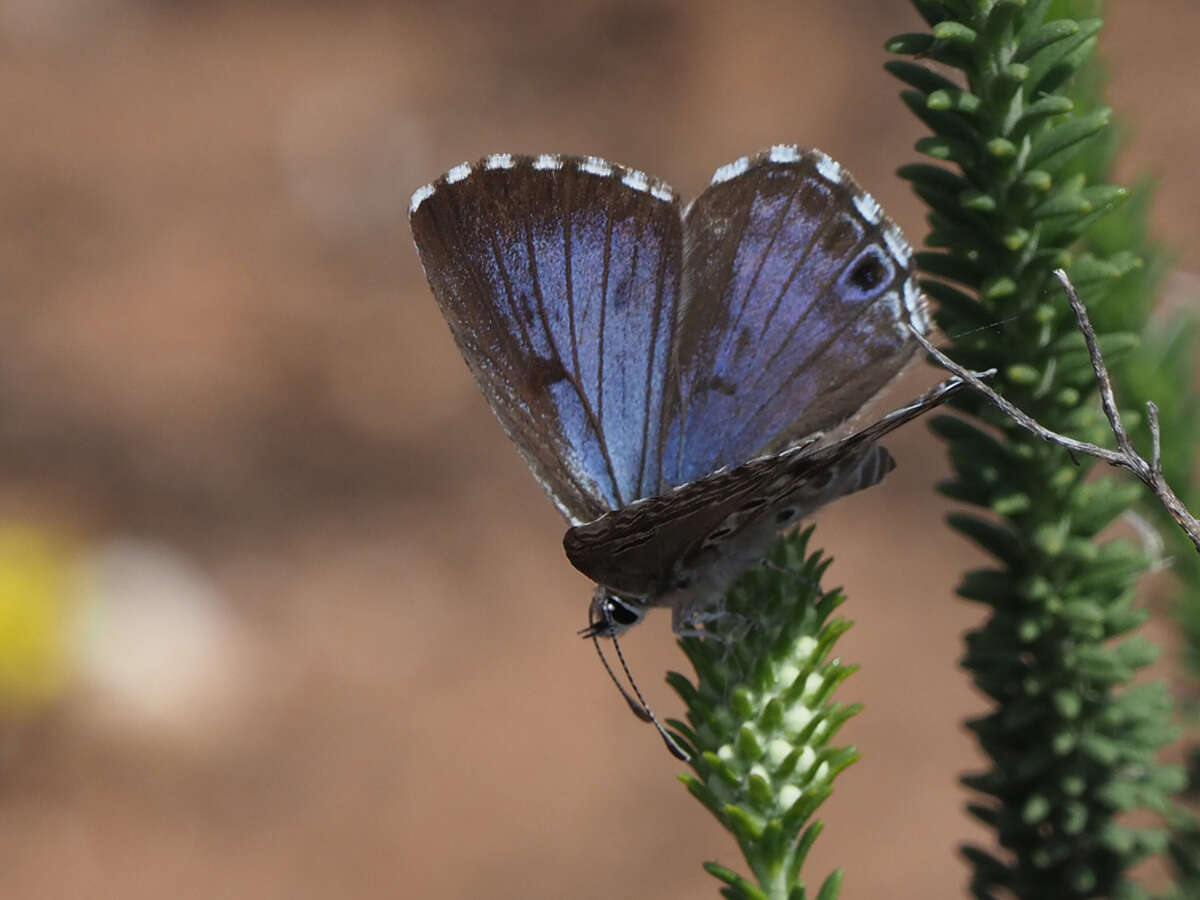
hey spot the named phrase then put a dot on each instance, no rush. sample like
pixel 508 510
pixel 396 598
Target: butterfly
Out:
pixel 673 374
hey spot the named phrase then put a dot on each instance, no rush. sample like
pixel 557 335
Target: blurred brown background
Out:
pixel 319 635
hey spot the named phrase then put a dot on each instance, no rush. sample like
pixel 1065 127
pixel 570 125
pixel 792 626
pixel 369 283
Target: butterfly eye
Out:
pixel 621 613
pixel 784 515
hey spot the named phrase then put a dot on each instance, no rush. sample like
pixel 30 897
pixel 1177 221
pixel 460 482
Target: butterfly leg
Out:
pixel 687 621
pixel 802 580
pixel 734 626
pixel 706 635
pixel 697 633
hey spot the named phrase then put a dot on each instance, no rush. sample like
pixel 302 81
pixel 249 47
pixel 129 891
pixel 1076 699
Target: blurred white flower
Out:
pixel 157 648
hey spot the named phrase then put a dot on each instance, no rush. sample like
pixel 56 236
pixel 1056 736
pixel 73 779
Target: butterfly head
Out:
pixel 608 616
pixel 611 614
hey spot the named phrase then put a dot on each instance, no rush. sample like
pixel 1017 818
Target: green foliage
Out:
pixel 1071 744
pixel 761 717
pixel 1162 369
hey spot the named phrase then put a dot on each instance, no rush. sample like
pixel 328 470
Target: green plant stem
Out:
pixel 761 718
pixel 1070 744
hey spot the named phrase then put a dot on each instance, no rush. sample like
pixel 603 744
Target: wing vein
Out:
pixel 803 364
pixel 823 293
pixel 762 260
pixel 482 289
pixel 778 304
pixel 571 301
pixel 541 309
pixel 650 362
pixel 763 371
pixel 707 348
pixel 600 354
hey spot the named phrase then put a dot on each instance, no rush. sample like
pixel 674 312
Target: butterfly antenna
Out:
pixel 639 706
pixel 638 710
pixel 647 714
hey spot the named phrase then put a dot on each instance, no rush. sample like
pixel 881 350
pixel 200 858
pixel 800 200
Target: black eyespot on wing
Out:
pixel 868 273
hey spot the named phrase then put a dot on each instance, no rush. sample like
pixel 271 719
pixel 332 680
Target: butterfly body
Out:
pixel 750 520
pixel 673 377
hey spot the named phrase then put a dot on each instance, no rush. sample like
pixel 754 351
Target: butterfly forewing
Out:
pixel 797 293
pixel 559 278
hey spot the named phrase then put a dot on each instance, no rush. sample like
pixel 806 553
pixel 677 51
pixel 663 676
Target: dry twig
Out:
pixel 1125 456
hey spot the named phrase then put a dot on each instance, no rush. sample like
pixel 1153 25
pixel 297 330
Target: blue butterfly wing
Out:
pixel 559 278
pixel 797 296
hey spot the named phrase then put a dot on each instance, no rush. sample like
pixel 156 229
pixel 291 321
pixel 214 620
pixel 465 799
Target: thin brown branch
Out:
pixel 1156 439
pixel 1108 400
pixel 1125 456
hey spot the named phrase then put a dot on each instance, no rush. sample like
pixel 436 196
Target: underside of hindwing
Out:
pixel 638 550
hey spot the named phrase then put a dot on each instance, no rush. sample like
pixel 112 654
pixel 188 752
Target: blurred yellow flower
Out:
pixel 33 619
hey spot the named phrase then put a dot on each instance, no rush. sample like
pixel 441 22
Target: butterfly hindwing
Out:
pixel 637 550
pixel 797 296
pixel 559 277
